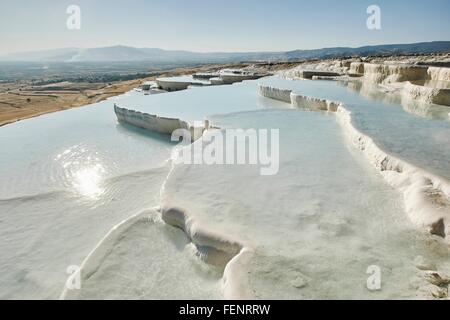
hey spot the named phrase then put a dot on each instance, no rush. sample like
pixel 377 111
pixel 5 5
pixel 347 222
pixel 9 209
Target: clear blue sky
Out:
pixel 212 25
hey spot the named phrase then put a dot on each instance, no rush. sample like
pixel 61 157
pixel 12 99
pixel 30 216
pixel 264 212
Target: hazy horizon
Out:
pixel 205 26
pixel 196 51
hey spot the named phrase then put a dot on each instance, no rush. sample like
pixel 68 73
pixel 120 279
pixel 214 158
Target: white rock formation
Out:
pixel 158 124
pixel 229 78
pixel 275 93
pixel 426 196
pixel 172 85
pixel 438 74
pixel 427 94
pixel 216 81
pixel 149 121
pixel 212 248
pixel 332 78
pixel 357 68
pixel 385 73
pixel 309 74
pixel 297 100
pixel 310 103
pixel 235 279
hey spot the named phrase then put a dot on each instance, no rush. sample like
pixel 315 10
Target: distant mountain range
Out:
pixel 132 54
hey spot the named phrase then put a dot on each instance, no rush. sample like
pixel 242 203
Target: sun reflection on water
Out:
pixel 82 171
pixel 87 181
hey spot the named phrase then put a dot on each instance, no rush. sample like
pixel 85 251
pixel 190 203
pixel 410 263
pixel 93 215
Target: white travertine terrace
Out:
pixel 439 74
pixel 426 196
pixel 357 68
pixel 389 73
pixel 155 123
pixel 297 100
pixel 325 77
pixel 203 79
pixel 418 187
pixel 216 81
pixel 213 248
pixel 173 85
pixel 234 280
pixel 229 77
pixel 410 75
pixel 149 121
pixel 311 103
pixel 309 74
pixel 419 83
pixel 425 201
pixel 205 75
pixel 168 125
pixel 427 94
pixel 275 93
pixel 396 94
